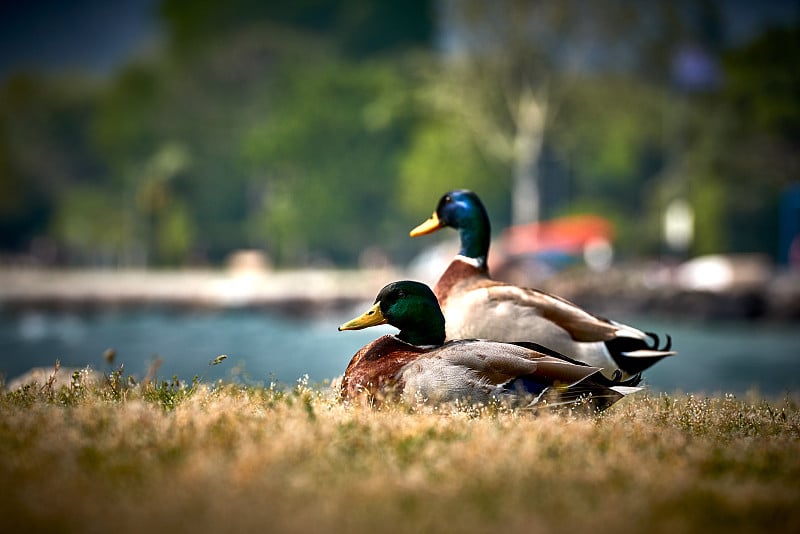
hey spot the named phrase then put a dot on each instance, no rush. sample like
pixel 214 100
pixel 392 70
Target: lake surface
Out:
pixel 715 357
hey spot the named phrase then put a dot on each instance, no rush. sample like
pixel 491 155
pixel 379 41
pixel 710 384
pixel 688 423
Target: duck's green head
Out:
pixel 463 210
pixel 410 306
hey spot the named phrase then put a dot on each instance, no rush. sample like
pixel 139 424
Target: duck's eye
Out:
pixel 447 199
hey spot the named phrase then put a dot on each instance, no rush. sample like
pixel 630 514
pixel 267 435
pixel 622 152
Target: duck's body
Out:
pixel 475 306
pixel 417 366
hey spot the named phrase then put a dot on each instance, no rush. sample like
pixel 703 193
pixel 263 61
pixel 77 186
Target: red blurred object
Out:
pixel 565 234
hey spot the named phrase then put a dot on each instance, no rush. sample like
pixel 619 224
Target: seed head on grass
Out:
pixel 293 457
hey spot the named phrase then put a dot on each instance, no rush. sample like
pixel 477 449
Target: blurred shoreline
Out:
pixel 631 291
pixel 295 292
pixel 620 291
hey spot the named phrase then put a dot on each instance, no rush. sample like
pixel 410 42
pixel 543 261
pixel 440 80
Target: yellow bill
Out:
pixel 371 317
pixel 429 226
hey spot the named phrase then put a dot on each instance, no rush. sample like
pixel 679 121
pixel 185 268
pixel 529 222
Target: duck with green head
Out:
pixel 417 364
pixel 476 306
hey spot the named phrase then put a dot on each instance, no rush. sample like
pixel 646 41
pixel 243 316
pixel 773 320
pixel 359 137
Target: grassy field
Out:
pixel 174 457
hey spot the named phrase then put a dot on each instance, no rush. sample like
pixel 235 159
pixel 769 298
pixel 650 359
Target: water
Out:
pixel 715 357
pixel 260 347
pixel 728 357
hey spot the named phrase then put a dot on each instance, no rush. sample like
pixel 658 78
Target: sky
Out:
pixel 744 18
pixel 95 36
pixel 92 36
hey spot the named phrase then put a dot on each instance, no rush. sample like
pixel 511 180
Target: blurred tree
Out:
pixel 92 226
pixel 23 206
pixel 327 155
pixel 609 134
pixel 44 152
pixel 771 61
pixel 735 144
pixel 265 98
pixel 171 132
pixel 759 151
pixel 443 156
pixel 129 115
pixel 498 85
pixel 356 28
pixel 168 230
pixel 525 78
pixel 317 129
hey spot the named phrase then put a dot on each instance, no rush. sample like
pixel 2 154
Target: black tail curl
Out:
pixel 620 346
pixel 657 341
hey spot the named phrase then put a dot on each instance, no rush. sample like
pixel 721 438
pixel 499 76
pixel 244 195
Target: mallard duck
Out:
pixel 476 306
pixel 418 365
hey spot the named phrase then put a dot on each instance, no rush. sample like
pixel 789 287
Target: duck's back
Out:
pixel 478 371
pixel 469 370
pixel 480 308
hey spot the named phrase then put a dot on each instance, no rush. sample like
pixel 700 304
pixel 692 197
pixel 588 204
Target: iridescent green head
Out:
pixel 410 306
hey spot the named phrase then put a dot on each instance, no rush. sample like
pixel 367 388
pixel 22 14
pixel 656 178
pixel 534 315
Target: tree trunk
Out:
pixel 531 114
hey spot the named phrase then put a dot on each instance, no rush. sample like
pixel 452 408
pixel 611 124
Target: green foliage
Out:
pixel 608 128
pixel 316 130
pixel 764 80
pixel 169 394
pixel 610 132
pixel 442 157
pixel 353 146
pixel 124 128
pixel 76 222
pixel 709 196
pixel 359 28
pixel 116 386
pixel 45 149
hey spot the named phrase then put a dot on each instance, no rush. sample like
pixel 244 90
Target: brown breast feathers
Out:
pixel 373 370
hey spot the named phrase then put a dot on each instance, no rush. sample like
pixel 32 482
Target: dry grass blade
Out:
pixel 235 458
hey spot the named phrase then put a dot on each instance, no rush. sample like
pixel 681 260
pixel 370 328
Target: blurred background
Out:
pixel 658 141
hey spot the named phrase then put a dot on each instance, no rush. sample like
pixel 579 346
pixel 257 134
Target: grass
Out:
pixel 166 456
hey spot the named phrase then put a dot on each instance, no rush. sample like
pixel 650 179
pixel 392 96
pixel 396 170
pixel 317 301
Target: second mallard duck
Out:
pixel 417 364
pixel 476 306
